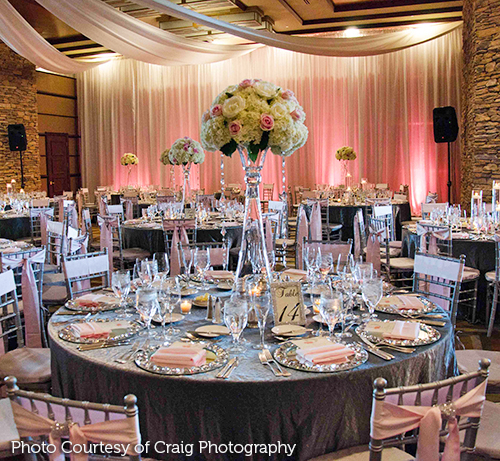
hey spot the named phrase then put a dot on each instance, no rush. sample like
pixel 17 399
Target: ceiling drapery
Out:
pixel 347 47
pixel 17 33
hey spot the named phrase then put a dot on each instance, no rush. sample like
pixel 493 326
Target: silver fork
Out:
pixel 264 361
pixel 126 355
pixel 271 359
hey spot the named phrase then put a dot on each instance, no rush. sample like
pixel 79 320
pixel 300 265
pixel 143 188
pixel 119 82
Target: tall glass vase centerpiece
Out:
pixel 345 155
pixel 129 160
pixel 252 118
pixel 184 152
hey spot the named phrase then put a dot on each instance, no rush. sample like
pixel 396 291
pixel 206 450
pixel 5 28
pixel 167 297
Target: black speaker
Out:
pixel 17 137
pixel 445 124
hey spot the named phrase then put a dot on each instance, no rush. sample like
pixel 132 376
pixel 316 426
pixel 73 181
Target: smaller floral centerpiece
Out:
pixel 184 152
pixel 129 160
pixel 344 155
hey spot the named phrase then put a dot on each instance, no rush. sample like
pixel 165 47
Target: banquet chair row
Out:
pixel 31 417
pixel 339 251
pixel 420 415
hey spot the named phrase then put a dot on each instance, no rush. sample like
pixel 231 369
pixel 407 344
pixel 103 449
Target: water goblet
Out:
pixel 262 306
pixel 330 307
pixel 202 264
pixel 168 297
pixel 235 318
pixel 120 283
pixel 147 306
pixel 372 291
pixel 162 263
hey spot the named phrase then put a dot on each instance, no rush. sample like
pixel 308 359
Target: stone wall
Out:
pixel 18 104
pixel 480 97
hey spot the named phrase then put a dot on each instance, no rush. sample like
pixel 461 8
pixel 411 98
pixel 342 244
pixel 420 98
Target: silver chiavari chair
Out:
pixel 397 415
pixel 92 268
pixel 219 253
pixel 56 417
pixel 339 251
pixel 35 228
pixel 493 278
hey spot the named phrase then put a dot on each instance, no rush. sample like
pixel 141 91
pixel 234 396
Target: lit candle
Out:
pixel 316 305
pixel 476 195
pixel 185 307
pixel 498 207
pixel 496 185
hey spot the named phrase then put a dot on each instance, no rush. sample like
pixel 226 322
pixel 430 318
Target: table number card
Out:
pixel 288 303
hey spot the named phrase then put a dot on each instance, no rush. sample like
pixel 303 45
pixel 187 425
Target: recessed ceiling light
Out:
pixel 352 32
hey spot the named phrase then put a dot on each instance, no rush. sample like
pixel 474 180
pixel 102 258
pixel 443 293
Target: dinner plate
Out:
pixel 73 305
pixel 289 330
pixel 216 358
pixel 427 335
pixel 225 285
pixel 212 331
pixel 67 333
pixel 176 317
pixel 317 318
pixel 286 355
pixel 188 291
pixel 429 306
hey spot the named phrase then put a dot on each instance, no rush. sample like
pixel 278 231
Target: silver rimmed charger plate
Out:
pixel 103 307
pixel 68 335
pixel 429 306
pixel 143 360
pixel 427 335
pixel 286 356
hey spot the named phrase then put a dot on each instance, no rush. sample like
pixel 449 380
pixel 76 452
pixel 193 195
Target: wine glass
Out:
pixel 330 306
pixel 147 271
pixel 120 283
pixel 262 306
pixel 271 256
pixel 168 296
pixel 162 263
pixel 202 264
pixel 363 271
pixel 325 265
pixel 187 260
pixel 371 290
pixel 235 318
pixel 147 306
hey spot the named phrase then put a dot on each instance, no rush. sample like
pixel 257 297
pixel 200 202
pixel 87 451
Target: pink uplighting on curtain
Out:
pixel 379 105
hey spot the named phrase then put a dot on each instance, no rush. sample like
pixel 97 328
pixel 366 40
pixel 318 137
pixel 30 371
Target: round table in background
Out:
pixel 319 412
pixel 14 226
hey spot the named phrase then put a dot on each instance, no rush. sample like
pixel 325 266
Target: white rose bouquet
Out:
pixel 257 115
pixel 345 153
pixel 129 159
pixel 182 152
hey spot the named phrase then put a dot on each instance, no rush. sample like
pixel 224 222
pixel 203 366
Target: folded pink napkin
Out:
pixel 220 275
pixel 402 302
pixel 181 355
pixel 99 330
pixel 96 298
pixel 296 274
pixel 321 351
pixel 404 330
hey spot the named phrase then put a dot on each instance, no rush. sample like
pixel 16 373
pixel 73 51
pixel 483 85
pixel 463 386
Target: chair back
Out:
pixel 422 413
pixel 378 201
pixel 340 251
pixel 359 233
pixel 36 415
pixel 207 200
pixel 36 231
pixel 432 197
pixel 427 208
pixel 116 210
pixel 381 186
pixel 439 278
pixel 267 191
pixel 40 202
pixel 10 318
pixel 382 211
pixel 434 239
pixel 86 267
pixel 401 197
pixel 219 253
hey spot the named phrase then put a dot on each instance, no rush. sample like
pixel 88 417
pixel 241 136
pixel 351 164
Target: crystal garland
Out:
pixel 221 201
pixel 284 199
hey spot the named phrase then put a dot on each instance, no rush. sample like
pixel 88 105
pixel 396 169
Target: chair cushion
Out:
pixel 393 252
pixel 487 441
pixel 289 242
pixel 27 364
pixel 54 294
pixel 490 276
pixel 9 432
pixel 54 279
pixel 468 361
pixel 132 254
pixel 402 263
pixel 470 274
pixel 396 244
pixel 362 453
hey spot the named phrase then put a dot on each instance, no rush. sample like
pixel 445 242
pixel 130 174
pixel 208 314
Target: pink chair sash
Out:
pixel 43 228
pixel 73 216
pixel 373 248
pixel 315 223
pixel 302 233
pixel 268 234
pixel 79 203
pixel 433 235
pixel 129 210
pixel 30 296
pixel 357 238
pixel 124 432
pixel 389 420
pixel 60 204
pixel 101 203
pixel 107 226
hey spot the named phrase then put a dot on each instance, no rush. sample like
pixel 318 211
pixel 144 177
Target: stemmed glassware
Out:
pixel 120 283
pixel 330 307
pixel 146 271
pixel 262 306
pixel 235 318
pixel 162 263
pixel 169 296
pixel 202 264
pixel 372 291
pixel 325 265
pixel 187 260
pixel 147 306
pixel 271 256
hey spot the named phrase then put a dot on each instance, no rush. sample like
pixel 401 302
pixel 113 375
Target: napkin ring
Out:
pixel 59 430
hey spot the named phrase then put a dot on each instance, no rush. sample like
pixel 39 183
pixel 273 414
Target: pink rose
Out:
pixel 246 83
pixel 186 146
pixel 216 110
pixel 234 127
pixel 205 117
pixel 287 94
pixel 266 122
pixel 297 114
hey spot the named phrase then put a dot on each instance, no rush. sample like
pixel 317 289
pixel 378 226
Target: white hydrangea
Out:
pixel 129 159
pixel 186 150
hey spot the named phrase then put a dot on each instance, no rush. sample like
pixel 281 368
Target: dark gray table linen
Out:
pixel 14 228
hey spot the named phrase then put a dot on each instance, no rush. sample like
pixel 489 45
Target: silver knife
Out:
pixel 372 347
pixel 225 368
pixel 227 374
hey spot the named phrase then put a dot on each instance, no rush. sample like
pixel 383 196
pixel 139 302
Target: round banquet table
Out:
pixel 151 238
pixel 479 254
pixel 344 214
pixel 14 226
pixel 319 412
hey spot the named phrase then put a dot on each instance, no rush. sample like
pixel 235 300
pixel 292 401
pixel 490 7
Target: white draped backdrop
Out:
pixel 380 105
